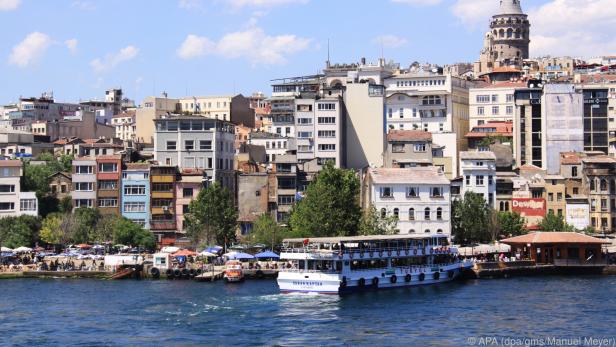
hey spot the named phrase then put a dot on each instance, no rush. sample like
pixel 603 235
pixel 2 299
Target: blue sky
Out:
pixel 78 48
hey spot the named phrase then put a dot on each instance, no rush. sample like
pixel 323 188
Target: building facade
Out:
pixel 14 202
pixel 84 182
pixel 108 187
pixel 135 192
pixel 478 171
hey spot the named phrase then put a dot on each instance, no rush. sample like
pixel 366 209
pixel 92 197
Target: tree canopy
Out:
pixel 511 224
pixel 212 216
pixel 471 220
pixel 266 231
pixel 372 223
pixel 330 206
pixel 37 177
pixel 19 231
pixel 552 222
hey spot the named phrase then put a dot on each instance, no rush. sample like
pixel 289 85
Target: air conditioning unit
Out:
pixel 166 208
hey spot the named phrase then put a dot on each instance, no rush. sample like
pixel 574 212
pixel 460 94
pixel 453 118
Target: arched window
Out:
pixel 613 187
pixel 439 213
pixel 509 33
pixel 412 231
pixel 427 231
pixel 439 231
pixel 506 205
pixel 396 212
pixel 383 213
pixel 501 33
pixel 411 214
pixel 592 184
pixel 427 213
pixel 603 184
pixel 501 206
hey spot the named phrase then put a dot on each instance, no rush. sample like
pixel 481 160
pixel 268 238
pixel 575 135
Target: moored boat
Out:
pixel 233 271
pixel 340 265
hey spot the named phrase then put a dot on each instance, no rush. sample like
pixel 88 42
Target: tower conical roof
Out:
pixel 510 7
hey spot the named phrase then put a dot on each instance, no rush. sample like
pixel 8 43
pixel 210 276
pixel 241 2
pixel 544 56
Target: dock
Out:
pixel 530 268
pixel 55 274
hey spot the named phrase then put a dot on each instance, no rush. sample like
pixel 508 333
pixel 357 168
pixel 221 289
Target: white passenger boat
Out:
pixel 340 265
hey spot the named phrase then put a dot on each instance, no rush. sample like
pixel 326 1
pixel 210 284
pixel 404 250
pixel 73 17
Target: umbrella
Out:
pixel 98 247
pixel 22 250
pixel 267 254
pixel 185 253
pixel 84 246
pixel 5 249
pixel 7 254
pixel 205 253
pixel 239 255
pixel 170 249
pixel 215 249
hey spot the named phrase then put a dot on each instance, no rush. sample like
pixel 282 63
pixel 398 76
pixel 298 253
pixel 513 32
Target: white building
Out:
pixel 494 102
pixel 418 196
pixel 125 127
pixel 478 170
pixel 274 144
pixel 14 202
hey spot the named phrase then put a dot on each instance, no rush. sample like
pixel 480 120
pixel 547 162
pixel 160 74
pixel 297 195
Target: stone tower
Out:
pixel 506 44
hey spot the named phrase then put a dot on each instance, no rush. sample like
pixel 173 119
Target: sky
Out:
pixel 79 48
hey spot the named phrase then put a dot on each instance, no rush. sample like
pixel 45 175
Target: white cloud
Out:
pixel 252 44
pixel 30 50
pixel 112 60
pixel 390 41
pixel 573 27
pixel 9 5
pixel 263 3
pixel 190 4
pixel 71 45
pixel 474 12
pixel 418 2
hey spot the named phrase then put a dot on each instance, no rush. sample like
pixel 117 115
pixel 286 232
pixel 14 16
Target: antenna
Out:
pixel 328 61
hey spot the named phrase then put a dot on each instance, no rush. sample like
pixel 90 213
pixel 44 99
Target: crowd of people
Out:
pixel 34 262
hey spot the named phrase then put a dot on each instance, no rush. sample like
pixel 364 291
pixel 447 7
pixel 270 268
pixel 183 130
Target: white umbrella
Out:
pixel 5 249
pixel 22 250
pixel 207 254
pixel 169 249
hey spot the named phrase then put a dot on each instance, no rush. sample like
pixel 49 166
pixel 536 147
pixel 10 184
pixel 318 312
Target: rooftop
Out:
pixel 570 158
pixel 554 237
pixel 469 155
pixel 409 135
pixel 492 128
pixel 125 114
pixel 137 166
pixel 506 84
pixel 413 175
pixel 265 135
pixel 603 159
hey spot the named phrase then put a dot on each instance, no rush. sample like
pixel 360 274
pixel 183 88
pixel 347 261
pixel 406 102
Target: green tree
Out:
pixel 471 219
pixel 128 233
pixel 552 222
pixel 265 230
pixel 103 231
pixel 212 216
pixel 37 177
pixel 84 227
pixel 51 230
pixel 19 231
pixel 511 224
pixel 373 223
pixel 330 206
pixel 65 205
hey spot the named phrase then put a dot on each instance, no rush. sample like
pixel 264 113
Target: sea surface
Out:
pixel 62 312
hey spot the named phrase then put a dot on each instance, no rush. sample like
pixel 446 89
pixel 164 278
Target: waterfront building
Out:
pixel 285 191
pixel 84 180
pixel 504 190
pixel 558 248
pixel 136 193
pixel 571 170
pixel 108 175
pixel 13 201
pixel 555 196
pixel 478 170
pixel 195 142
pixel 163 221
pixel 187 188
pixel 418 196
pixel 600 184
pixel 493 103
pixel 253 193
pixel 60 184
pixel 506 44
pixel 409 148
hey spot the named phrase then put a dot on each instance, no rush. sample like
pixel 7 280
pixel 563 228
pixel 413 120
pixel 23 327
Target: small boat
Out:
pixel 341 265
pixel 122 274
pixel 233 271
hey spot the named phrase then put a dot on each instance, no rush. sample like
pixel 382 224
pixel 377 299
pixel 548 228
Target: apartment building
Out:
pixel 274 144
pixel 84 180
pixel 163 221
pixel 282 198
pixel 419 197
pixel 478 171
pixel 152 108
pixel 187 188
pixel 232 108
pixel 408 148
pixel 493 103
pixel 195 142
pixel 108 191
pixel 600 183
pixel 125 127
pixel 83 125
pixel 14 202
pixel 135 192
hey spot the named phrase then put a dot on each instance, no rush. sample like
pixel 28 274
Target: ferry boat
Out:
pixel 341 265
pixel 233 271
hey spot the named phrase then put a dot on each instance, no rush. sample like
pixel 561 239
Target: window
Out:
pixel 559 196
pixel 495 110
pixel 550 196
pixel 286 199
pixel 574 171
pixel 326 133
pixel 411 214
pixel 509 97
pixel 420 147
pixel 108 167
pixel 327 120
pixel 396 212
pixel 27 205
pixel 576 191
pixel 439 213
pixel 84 170
pixel 431 100
pixel 386 192
pixel 7 188
pixel 481 110
pixel 134 190
pixel 468 180
pixel 326 106
pixel 107 185
pixel 84 186
pixel 479 180
pixel 108 202
pixel 603 205
pixel 304 120
pixel 490 180
pixel 427 213
pixel 157 203
pixel 187 192
pixel 412 231
pixel 437 192
pixel 603 185
pixel 304 134
pixel 401 112
pixel 189 145
pixel 205 145
pixel 327 147
pixel 509 110
pixel 162 187
pixel 390 113
pixel 494 97
pixel 383 213
pixel 482 99
pixel 134 206
pixel 171 145
pixel 412 192
pixel 83 203
pixel 397 147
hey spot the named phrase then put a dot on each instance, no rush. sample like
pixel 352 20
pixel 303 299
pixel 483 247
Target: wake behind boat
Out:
pixel 340 265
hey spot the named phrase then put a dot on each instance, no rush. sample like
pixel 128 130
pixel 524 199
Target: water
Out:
pixel 179 313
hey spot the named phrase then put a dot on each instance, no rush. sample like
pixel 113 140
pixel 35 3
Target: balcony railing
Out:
pixel 162 225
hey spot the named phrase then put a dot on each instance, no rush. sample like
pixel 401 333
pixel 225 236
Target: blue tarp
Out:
pixel 267 254
pixel 214 249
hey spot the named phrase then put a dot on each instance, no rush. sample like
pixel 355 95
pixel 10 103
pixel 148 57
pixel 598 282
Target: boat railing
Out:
pixel 294 269
pixel 376 251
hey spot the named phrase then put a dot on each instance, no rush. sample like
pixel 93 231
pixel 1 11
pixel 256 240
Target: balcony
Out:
pixel 162 195
pixel 162 210
pixel 163 179
pixel 162 225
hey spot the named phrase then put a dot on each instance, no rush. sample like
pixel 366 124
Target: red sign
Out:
pixel 529 207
